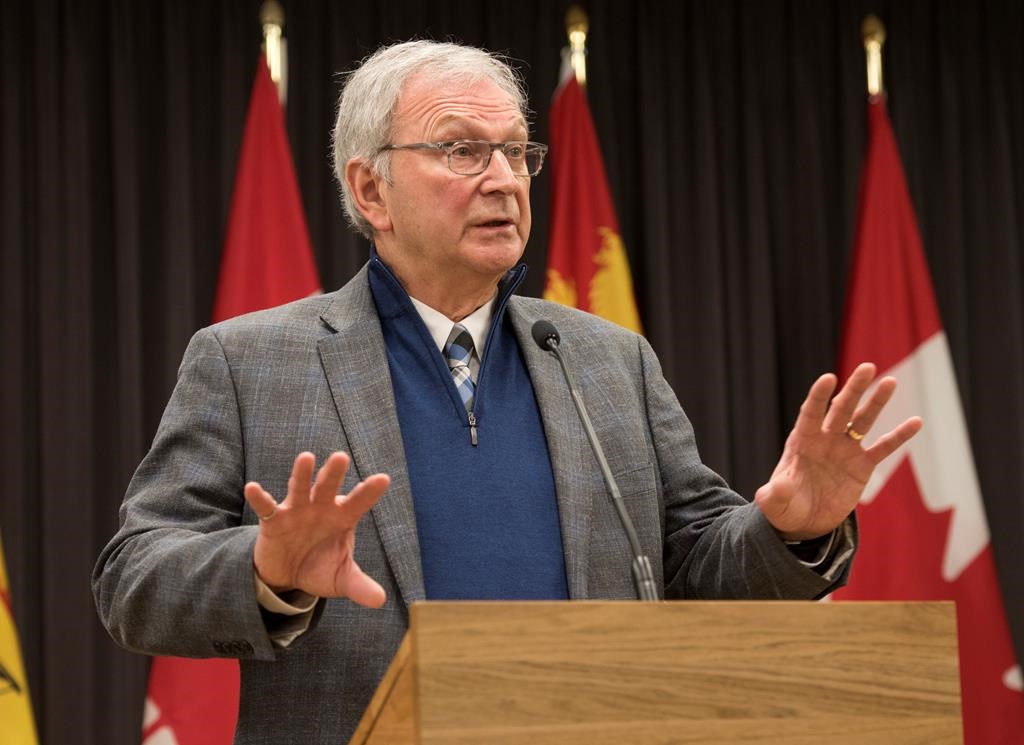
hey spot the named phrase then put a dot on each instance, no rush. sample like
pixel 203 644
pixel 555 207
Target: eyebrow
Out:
pixel 461 124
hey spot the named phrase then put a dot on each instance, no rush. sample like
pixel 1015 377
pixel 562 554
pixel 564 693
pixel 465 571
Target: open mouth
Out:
pixel 495 224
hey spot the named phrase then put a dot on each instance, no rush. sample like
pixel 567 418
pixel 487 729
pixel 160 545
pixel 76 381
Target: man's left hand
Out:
pixel 823 469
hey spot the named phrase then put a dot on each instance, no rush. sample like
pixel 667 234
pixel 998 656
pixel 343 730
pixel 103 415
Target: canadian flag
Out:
pixel 924 535
pixel 267 261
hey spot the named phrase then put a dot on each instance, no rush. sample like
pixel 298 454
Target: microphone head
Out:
pixel 545 334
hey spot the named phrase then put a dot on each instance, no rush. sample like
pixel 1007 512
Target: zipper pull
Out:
pixel 472 428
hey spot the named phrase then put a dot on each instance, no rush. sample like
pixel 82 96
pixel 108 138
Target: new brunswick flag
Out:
pixel 17 727
pixel 587 264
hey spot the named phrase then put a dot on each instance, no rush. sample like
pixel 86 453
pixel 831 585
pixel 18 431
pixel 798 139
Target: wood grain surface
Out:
pixel 682 672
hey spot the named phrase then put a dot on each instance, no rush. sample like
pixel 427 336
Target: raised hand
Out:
pixel 307 541
pixel 824 469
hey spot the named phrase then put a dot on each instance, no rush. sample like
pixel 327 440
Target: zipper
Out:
pixel 515 278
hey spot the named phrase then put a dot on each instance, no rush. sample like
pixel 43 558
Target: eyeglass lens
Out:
pixel 470 157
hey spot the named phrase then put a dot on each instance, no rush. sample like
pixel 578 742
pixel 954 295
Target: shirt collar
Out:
pixel 477 323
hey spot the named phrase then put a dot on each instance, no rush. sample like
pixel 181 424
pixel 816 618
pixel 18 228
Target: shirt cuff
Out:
pixel 813 553
pixel 827 555
pixel 287 615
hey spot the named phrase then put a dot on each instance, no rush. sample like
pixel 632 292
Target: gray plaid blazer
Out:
pixel 177 578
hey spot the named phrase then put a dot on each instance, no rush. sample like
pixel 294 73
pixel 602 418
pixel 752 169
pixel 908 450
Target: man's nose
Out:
pixel 499 174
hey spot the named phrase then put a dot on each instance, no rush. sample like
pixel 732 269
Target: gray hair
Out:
pixel 369 97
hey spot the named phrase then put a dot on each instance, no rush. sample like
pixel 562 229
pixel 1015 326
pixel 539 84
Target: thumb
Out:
pixel 774 500
pixel 362 589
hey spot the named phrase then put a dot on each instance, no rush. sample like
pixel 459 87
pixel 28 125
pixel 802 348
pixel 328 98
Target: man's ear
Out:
pixel 367 188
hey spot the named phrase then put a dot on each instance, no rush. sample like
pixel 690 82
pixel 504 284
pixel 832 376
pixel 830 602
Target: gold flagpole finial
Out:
pixel 272 20
pixel 873 33
pixel 576 26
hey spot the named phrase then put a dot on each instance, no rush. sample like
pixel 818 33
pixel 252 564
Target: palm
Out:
pixel 308 543
pixel 823 470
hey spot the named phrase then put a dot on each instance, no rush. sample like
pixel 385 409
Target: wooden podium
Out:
pixel 673 672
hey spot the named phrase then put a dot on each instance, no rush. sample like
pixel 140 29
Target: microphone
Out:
pixel 547 338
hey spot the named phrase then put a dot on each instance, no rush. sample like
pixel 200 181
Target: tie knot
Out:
pixel 459 348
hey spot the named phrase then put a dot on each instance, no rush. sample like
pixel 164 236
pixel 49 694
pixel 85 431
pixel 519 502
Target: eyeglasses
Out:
pixel 471 157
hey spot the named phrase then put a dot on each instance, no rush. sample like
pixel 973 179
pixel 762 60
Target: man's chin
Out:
pixel 497 256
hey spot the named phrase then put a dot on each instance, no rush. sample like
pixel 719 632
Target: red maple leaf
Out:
pixel 902 545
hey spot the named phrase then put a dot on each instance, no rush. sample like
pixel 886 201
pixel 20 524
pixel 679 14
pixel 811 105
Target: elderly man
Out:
pixel 453 464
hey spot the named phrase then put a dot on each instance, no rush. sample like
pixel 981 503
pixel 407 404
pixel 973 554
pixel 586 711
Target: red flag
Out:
pixel 267 261
pixel 587 263
pixel 924 535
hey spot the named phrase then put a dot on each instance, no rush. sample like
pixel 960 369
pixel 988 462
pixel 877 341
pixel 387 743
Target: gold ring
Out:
pixel 273 512
pixel 852 433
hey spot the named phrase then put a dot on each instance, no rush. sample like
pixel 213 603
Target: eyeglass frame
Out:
pixel 447 146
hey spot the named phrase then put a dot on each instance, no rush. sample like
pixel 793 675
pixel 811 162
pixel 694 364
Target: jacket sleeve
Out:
pixel 716 544
pixel 178 577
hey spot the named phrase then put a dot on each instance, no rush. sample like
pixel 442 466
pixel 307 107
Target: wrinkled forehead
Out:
pixel 457 107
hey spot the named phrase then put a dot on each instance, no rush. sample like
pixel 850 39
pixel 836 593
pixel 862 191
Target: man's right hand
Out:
pixel 307 541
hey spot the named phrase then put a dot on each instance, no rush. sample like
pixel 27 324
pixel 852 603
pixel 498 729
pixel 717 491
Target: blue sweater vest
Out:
pixel 486 514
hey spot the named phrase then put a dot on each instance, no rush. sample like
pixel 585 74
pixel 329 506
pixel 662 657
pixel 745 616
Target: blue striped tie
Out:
pixel 458 350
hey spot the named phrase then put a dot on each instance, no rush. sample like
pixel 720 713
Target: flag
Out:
pixel 268 258
pixel 19 727
pixel 267 261
pixel 924 535
pixel 587 263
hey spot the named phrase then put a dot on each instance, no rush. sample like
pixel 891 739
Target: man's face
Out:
pixel 446 228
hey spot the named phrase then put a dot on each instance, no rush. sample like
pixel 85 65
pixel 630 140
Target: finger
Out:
pixel 299 481
pixel 843 405
pixel 889 442
pixel 329 477
pixel 359 501
pixel 864 417
pixel 363 589
pixel 814 407
pixel 259 499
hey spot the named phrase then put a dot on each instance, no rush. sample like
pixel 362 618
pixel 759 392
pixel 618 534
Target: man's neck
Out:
pixel 455 309
pixel 454 296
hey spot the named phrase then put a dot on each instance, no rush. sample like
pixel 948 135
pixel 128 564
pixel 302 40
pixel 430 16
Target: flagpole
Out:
pixel 576 25
pixel 274 45
pixel 873 33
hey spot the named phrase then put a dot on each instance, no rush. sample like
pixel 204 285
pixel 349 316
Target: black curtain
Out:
pixel 733 136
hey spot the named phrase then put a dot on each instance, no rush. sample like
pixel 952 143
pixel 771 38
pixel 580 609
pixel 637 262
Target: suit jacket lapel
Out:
pixel 567 445
pixel 356 365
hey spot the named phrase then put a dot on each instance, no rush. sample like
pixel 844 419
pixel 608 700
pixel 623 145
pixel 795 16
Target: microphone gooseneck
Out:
pixel 547 338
